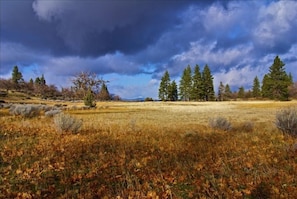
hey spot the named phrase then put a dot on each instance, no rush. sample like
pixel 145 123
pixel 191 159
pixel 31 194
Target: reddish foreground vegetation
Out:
pixel 150 150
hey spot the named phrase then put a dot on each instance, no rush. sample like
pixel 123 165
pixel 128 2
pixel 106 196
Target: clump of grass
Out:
pixel 246 126
pixel 262 190
pixel 220 123
pixel 67 123
pixel 286 121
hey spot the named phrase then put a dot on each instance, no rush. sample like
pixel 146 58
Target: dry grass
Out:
pixel 150 150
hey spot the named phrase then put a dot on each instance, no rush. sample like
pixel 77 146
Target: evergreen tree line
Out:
pixel 276 85
pixel 196 86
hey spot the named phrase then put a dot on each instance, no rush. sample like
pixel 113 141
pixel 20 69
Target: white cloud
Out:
pixel 206 54
pixel 276 21
pixel 48 10
pixel 237 77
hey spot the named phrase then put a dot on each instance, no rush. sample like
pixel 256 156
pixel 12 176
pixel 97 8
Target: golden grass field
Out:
pixel 150 150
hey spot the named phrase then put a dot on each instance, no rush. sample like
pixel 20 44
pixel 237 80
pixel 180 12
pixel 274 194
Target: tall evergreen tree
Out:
pixel 42 80
pixel 37 81
pixel 197 89
pixel 278 81
pixel 173 94
pixel 164 87
pixel 207 82
pixel 104 95
pixel 185 86
pixel 265 87
pixel 228 92
pixel 241 92
pixel 16 76
pixel 221 92
pixel 256 88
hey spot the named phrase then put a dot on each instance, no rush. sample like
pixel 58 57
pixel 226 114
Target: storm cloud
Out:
pixel 237 39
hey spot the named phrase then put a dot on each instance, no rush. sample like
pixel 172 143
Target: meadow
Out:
pixel 150 150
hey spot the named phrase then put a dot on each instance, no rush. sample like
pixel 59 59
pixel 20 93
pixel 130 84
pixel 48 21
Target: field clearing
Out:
pixel 150 150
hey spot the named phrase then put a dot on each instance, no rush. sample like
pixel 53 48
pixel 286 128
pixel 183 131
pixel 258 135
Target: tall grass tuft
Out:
pixel 67 123
pixel 220 123
pixel 286 121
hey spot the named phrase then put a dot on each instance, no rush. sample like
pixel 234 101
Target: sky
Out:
pixel 131 43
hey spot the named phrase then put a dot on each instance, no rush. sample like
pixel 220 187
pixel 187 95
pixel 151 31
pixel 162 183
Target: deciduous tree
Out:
pixel 85 82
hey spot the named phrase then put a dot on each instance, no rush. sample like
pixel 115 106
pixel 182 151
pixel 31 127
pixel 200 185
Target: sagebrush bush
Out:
pixel 26 110
pixel 246 126
pixel 67 123
pixel 52 113
pixel 220 123
pixel 286 121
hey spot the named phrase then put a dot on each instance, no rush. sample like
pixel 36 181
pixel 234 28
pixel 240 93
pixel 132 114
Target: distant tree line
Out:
pixel 198 86
pixel 85 85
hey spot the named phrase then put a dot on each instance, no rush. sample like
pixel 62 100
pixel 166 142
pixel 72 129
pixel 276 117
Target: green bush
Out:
pixel 89 99
pixel 286 121
pixel 67 123
pixel 220 123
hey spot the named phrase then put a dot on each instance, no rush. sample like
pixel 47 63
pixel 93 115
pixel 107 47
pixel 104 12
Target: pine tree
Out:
pixel 228 92
pixel 277 81
pixel 207 82
pixel 197 89
pixel 265 87
pixel 104 93
pixel 185 86
pixel 241 92
pixel 173 94
pixel 16 76
pixel 221 92
pixel 256 88
pixel 37 81
pixel 164 87
pixel 42 80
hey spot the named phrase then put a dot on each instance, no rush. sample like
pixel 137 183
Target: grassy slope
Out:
pixel 150 150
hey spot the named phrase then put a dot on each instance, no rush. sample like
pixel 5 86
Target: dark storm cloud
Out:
pixel 19 24
pixel 94 28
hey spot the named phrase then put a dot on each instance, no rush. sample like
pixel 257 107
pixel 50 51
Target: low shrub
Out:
pixel 67 123
pixel 286 121
pixel 52 113
pixel 26 110
pixel 246 126
pixel 220 123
